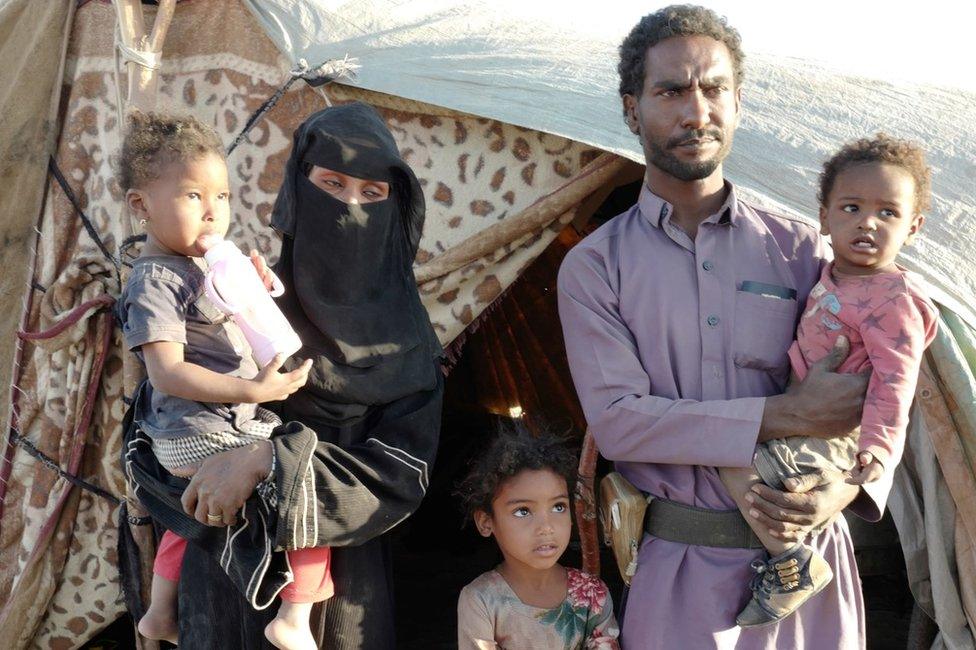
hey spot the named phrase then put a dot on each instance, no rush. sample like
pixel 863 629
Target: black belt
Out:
pixel 677 522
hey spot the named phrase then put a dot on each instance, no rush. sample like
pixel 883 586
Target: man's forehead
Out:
pixel 683 58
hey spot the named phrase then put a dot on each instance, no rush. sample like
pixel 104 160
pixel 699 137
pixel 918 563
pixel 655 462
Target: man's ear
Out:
pixel 630 114
pixel 738 105
pixel 917 222
pixel 136 202
pixel 482 521
pixel 824 229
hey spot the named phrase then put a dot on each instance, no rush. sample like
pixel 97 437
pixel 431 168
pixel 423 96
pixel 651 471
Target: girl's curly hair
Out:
pixel 513 450
pixel 881 148
pixel 152 140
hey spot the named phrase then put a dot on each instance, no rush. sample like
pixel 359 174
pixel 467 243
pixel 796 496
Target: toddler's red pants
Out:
pixel 310 566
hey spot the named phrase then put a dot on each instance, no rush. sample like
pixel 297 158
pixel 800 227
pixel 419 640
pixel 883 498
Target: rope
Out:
pixel 323 74
pixel 51 464
pixel 70 320
pixel 52 165
pixel 268 104
pixel 145 58
pixel 73 318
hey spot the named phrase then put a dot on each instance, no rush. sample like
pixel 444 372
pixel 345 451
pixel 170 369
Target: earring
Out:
pixel 142 222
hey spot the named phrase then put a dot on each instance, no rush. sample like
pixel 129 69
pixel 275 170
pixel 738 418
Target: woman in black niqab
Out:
pixel 355 458
pixel 348 269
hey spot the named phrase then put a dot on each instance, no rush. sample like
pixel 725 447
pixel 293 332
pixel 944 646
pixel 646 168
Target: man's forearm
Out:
pixel 781 419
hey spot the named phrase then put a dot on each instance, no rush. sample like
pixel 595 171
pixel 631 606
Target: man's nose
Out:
pixel 696 110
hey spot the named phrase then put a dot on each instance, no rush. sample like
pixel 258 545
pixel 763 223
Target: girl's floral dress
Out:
pixel 491 617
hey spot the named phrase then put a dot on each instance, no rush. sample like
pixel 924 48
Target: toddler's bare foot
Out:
pixel 159 625
pixel 287 635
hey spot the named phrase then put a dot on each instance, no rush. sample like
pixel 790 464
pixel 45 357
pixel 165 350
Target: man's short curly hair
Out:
pixel 675 20
pixel 153 140
pixel 881 148
pixel 514 450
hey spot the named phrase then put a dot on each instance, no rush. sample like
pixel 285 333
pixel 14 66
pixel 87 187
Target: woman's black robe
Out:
pixel 359 463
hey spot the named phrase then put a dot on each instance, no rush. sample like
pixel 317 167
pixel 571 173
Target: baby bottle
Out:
pixel 233 284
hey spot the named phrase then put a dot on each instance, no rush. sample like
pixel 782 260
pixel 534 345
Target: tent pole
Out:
pixel 143 78
pixel 132 33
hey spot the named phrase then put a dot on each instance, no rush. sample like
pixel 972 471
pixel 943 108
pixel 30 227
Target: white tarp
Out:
pixel 512 64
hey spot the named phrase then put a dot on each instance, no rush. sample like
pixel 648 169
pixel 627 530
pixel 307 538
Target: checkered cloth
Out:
pixel 176 453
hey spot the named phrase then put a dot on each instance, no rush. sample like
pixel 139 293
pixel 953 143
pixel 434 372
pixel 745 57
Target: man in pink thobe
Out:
pixel 677 316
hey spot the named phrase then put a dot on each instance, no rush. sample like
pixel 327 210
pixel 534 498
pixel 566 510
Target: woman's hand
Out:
pixel 811 500
pixel 261 266
pixel 224 482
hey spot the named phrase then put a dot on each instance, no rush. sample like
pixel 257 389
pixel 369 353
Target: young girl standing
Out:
pixel 518 492
pixel 203 387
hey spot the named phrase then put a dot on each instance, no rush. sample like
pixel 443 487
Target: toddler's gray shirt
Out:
pixel 164 300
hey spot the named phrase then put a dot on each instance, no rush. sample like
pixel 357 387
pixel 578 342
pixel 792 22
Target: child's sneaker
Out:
pixel 782 584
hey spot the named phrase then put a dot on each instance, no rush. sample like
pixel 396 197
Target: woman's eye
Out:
pixel 224 196
pixel 560 507
pixel 850 207
pixel 193 195
pixel 521 512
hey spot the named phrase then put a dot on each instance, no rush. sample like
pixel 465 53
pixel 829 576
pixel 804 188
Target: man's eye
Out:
pixel 888 212
pixel 850 207
pixel 224 196
pixel 193 195
pixel 521 512
pixel 672 92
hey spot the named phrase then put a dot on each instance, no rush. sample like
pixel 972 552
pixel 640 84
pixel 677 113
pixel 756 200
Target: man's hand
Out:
pixel 811 500
pixel 224 482
pixel 824 405
pixel 269 385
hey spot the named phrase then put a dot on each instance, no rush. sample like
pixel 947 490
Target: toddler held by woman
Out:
pixel 203 387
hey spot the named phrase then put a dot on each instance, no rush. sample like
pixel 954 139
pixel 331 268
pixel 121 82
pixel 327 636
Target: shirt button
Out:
pixel 712 321
pixel 707 265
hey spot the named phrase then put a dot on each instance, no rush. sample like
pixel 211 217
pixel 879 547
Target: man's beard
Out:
pixel 662 157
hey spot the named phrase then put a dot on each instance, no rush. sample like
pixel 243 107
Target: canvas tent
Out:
pixel 514 127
